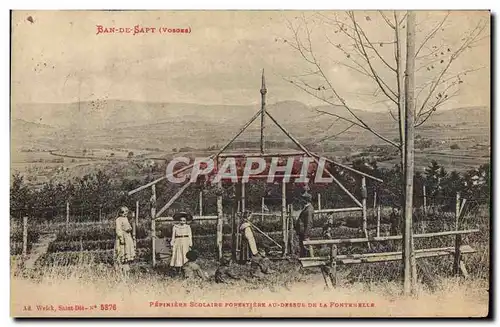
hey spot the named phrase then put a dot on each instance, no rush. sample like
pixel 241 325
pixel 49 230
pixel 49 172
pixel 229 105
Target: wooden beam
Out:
pixel 153 224
pixel 239 178
pixel 239 133
pixel 67 214
pixel 137 213
pixel 191 165
pixel 262 205
pixel 263 92
pixel 333 264
pixel 315 159
pixel 265 235
pixel 364 195
pixel 462 207
pixel 425 200
pixel 175 197
pixel 25 235
pixel 200 202
pixel 338 210
pixel 382 257
pixel 284 217
pixel 291 230
pixel 243 200
pixel 348 168
pixel 387 238
pixel 261 155
pixel 378 220
pixel 145 186
pixel 220 213
pixel 194 218
pixel 457 255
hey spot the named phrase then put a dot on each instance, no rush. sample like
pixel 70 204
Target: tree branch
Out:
pixel 474 34
pixel 379 81
pixel 391 25
pixel 428 113
pixel 375 50
pixel 433 32
pixel 361 126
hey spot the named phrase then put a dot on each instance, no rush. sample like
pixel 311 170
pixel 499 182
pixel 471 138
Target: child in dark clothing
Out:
pixel 224 272
pixel 191 269
pixel 261 264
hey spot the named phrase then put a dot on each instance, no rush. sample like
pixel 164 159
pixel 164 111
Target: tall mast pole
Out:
pixel 263 92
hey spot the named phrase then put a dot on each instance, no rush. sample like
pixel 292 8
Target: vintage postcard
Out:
pixel 250 164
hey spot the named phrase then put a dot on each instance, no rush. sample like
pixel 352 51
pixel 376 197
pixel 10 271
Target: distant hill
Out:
pixel 167 125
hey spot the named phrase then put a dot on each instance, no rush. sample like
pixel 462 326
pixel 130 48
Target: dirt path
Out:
pixel 39 249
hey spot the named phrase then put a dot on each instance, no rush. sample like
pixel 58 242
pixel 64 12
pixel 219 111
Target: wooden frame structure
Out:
pixel 287 226
pixel 328 264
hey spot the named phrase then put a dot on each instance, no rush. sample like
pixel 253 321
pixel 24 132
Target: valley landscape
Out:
pixel 48 140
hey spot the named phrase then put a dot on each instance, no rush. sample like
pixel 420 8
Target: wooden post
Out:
pixel 262 205
pixel 409 284
pixel 234 227
pixel 364 196
pixel 67 214
pixel 100 214
pixel 243 202
pixel 238 234
pixel 374 200
pixel 458 255
pixel 80 255
pixel 137 213
pixel 220 215
pixel 153 224
pixel 283 216
pixel 263 92
pixel 290 230
pixel 25 235
pixel 134 231
pixel 333 264
pixel 319 205
pixel 458 238
pixel 425 201
pixel 201 203
pixel 378 220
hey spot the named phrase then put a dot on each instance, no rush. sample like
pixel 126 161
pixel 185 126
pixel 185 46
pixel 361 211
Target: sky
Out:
pixel 57 56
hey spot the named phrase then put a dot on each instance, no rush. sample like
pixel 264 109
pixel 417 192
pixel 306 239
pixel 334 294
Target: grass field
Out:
pixel 64 272
pixel 289 292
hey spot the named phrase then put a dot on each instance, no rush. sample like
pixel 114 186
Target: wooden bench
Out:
pixel 328 264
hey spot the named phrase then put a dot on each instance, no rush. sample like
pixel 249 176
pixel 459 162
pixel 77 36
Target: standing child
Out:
pixel 124 242
pixel 182 240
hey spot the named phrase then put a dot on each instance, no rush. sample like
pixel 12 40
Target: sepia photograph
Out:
pixel 250 163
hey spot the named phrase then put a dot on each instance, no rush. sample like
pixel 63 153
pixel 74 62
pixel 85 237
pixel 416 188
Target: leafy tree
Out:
pixel 434 177
pixel 20 196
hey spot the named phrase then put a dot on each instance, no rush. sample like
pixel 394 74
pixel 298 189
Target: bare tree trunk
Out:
pixel 409 259
pixel 401 94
